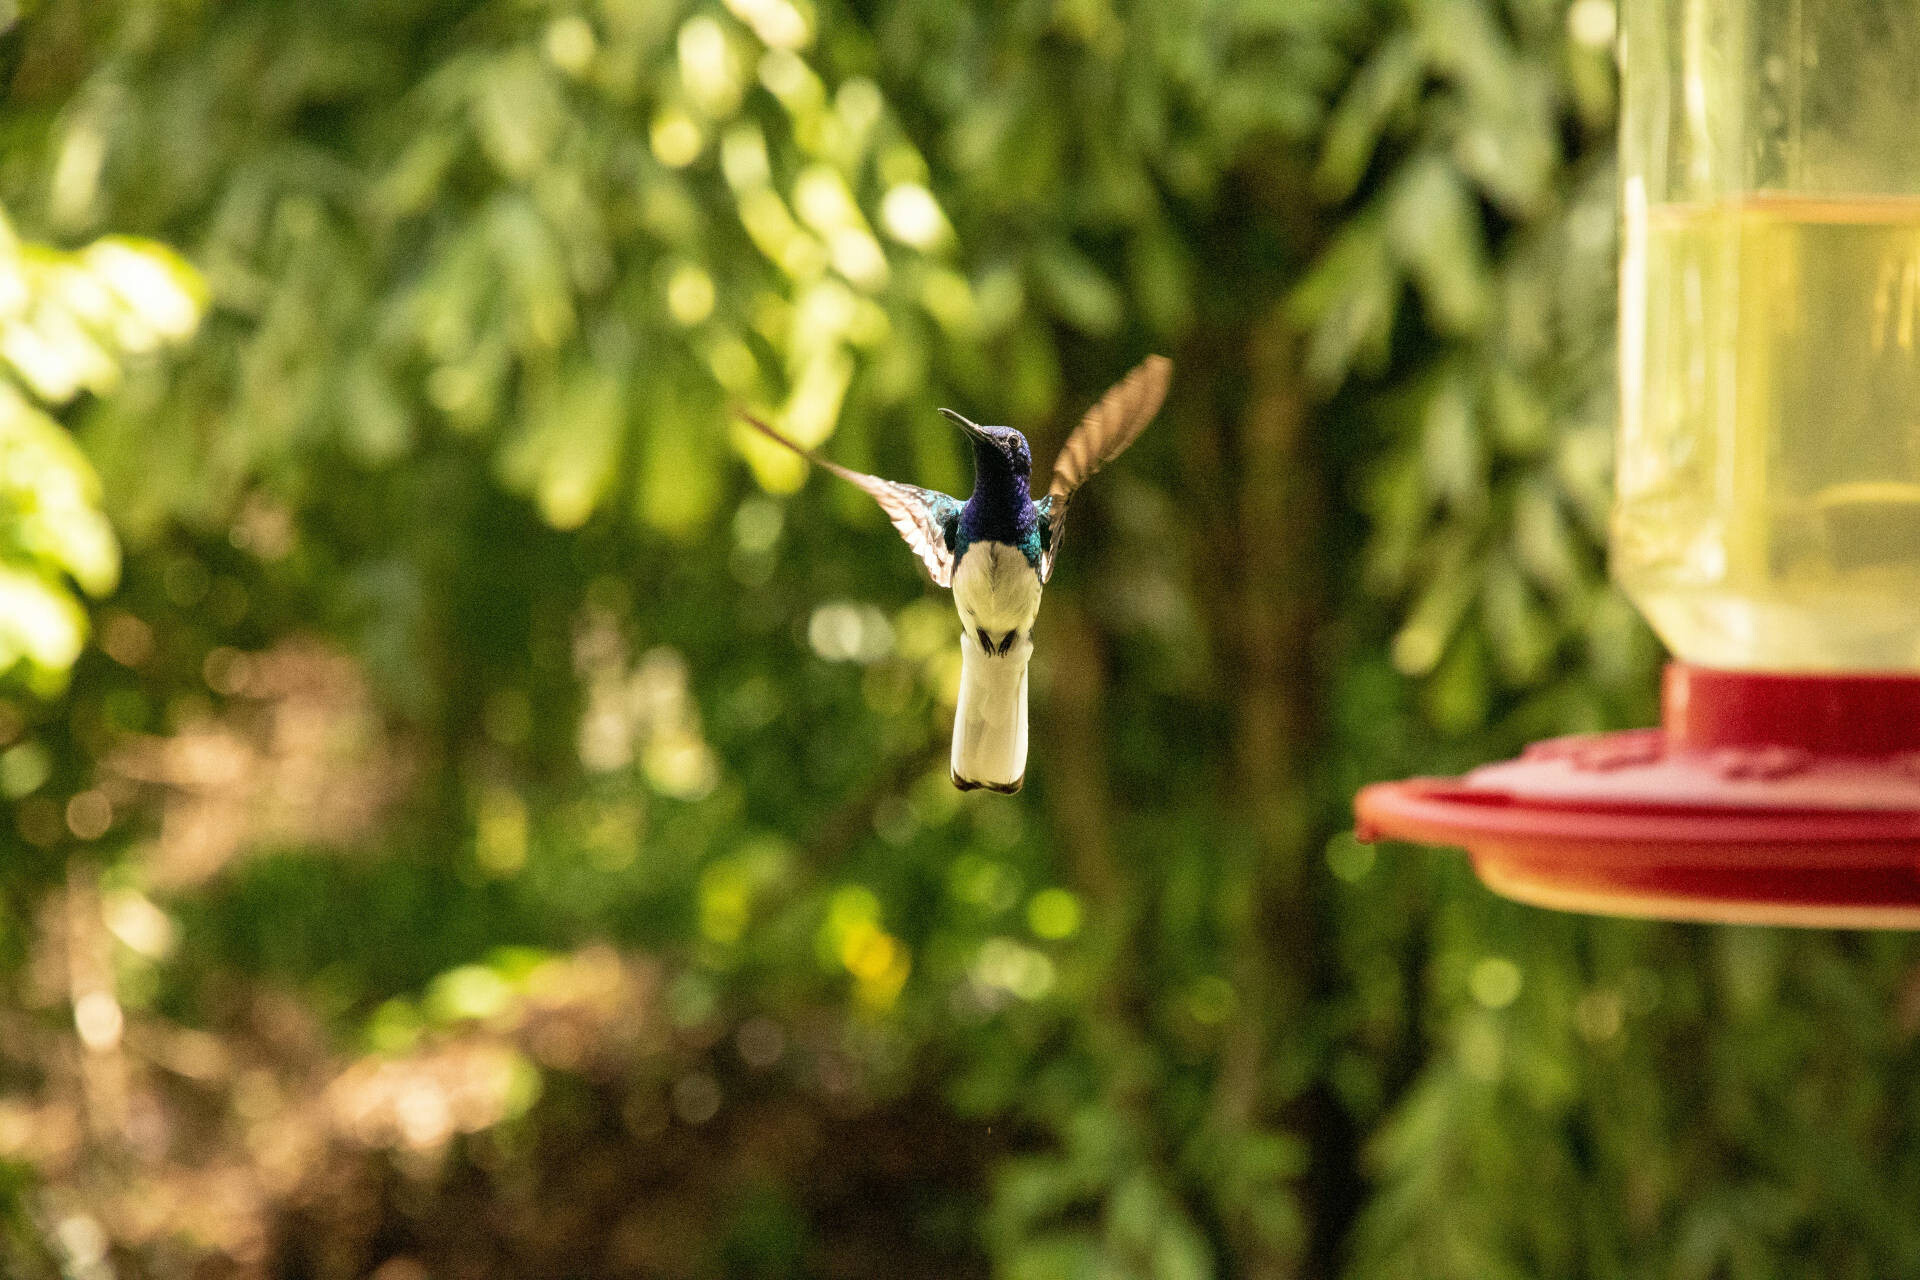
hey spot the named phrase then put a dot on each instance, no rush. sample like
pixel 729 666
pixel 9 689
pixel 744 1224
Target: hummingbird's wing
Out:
pixel 926 518
pixel 1103 435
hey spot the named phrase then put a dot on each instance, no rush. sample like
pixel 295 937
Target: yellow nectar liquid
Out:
pixel 1767 511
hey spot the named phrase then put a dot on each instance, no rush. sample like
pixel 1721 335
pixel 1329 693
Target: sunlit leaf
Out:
pixel 39 623
pixel 1434 227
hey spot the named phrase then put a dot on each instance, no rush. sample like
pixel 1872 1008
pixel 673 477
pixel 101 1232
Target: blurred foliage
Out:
pixel 501 827
pixel 67 323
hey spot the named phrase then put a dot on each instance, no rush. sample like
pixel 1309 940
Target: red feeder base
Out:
pixel 1763 799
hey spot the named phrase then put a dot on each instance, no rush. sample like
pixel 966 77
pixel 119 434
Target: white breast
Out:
pixel 997 593
pixel 994 587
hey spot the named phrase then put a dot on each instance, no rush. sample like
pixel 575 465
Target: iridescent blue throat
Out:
pixel 1001 508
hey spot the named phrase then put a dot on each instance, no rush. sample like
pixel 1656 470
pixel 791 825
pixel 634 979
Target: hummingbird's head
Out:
pixel 1002 444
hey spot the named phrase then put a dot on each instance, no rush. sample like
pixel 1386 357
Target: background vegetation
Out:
pixel 468 811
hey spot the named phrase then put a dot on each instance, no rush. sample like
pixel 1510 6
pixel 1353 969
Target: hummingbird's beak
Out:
pixel 971 428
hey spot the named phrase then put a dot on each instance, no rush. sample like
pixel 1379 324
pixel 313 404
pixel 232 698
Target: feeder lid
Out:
pixel 1764 798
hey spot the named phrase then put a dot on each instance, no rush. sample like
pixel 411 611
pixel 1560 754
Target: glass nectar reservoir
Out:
pixel 1768 487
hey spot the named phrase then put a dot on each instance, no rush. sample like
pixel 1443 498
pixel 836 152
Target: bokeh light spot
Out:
pixel 1054 914
pixel 98 1019
pixel 676 138
pixel 1495 982
pixel 782 24
pixel 913 217
pixel 689 295
pixel 844 631
pixel 696 1098
pixel 89 815
pixel 570 44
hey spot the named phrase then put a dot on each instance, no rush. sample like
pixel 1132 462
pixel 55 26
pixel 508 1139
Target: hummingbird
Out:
pixel 996 551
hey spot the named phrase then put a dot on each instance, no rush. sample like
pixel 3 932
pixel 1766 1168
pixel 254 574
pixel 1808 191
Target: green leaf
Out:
pixel 1348 300
pixel 1453 452
pixel 1077 290
pixel 1434 227
pixel 1060 1255
pixel 567 455
pixel 1386 89
pixel 1519 632
pixel 1452 581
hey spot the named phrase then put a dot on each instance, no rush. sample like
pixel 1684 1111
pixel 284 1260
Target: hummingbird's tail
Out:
pixel 990 724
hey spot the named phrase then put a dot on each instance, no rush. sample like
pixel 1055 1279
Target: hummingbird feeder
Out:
pixel 1767 508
